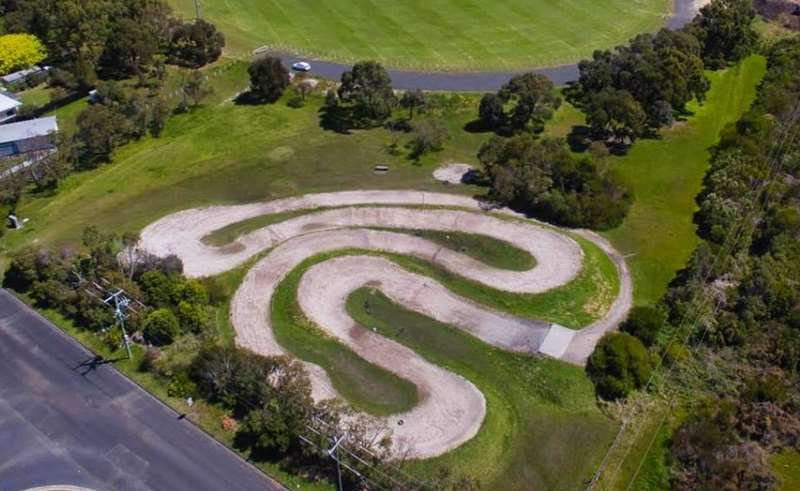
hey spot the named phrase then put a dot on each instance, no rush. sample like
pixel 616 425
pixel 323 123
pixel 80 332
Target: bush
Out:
pixel 619 364
pixel 645 323
pixel 161 327
pixel 181 386
pixel 19 51
pixel 268 79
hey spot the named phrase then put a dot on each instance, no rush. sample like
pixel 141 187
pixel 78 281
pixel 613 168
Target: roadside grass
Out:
pixel 666 175
pixel 542 430
pixel 206 416
pixel 433 35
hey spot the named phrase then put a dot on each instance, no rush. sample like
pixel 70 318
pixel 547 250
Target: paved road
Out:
pixel 476 81
pixel 66 423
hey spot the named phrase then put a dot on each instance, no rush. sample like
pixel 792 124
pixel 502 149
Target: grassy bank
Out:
pixel 542 429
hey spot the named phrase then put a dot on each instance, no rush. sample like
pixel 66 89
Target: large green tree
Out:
pixel 366 91
pixel 269 78
pixel 619 364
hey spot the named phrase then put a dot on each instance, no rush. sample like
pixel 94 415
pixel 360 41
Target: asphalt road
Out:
pixel 474 81
pixel 66 421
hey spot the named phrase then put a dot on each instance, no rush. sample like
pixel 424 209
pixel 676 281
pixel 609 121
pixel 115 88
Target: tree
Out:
pixel 100 131
pixel 158 117
pixel 413 99
pixel 619 364
pixel 725 27
pixel 645 323
pixel 268 78
pixel 195 88
pixel 616 113
pixel 429 136
pixel 367 89
pixel 161 327
pixel 18 51
pixel 128 49
pixel 545 179
pixel 491 112
pixel 265 430
pixel 194 44
pixel 532 98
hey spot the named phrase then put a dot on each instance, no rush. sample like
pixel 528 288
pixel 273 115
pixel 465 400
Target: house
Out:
pixel 20 77
pixel 8 107
pixel 27 138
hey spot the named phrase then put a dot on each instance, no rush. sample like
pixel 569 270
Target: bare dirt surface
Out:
pixel 451 409
pixel 452 173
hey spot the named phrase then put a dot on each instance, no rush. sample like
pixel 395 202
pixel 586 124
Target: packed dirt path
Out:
pixel 450 409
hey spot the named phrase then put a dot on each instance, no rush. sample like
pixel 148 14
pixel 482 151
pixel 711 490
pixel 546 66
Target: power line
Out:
pixel 759 190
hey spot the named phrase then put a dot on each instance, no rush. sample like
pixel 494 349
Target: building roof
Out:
pixel 7 103
pixel 14 77
pixel 24 130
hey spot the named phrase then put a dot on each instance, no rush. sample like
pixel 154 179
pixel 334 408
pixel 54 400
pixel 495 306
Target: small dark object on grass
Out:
pixel 381 169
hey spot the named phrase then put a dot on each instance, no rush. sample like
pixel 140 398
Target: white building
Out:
pixel 8 108
pixel 27 138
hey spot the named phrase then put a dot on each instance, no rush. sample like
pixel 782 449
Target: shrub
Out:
pixel 645 323
pixel 268 79
pixel 619 364
pixel 161 327
pixel 19 51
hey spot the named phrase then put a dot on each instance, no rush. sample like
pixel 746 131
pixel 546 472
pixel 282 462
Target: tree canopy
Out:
pixel 19 51
pixel 366 92
pixel 268 78
pixel 524 103
pixel 619 364
pixel 544 178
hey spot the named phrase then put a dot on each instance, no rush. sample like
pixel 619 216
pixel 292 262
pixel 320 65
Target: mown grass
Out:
pixel 575 305
pixel 224 153
pixel 666 175
pixel 433 34
pixel 542 429
pixel 229 233
pixel 486 249
pixel 364 385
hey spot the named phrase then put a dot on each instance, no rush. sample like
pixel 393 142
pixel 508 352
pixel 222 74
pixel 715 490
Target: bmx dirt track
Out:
pixel 451 409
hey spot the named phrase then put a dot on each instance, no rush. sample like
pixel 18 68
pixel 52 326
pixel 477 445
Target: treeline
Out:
pixel 87 40
pixel 737 301
pixel 635 89
pixel 751 333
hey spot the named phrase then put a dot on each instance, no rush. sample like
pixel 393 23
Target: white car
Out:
pixel 301 66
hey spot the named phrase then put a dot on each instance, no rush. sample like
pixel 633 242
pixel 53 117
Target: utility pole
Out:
pixel 116 298
pixel 333 452
pixel 121 304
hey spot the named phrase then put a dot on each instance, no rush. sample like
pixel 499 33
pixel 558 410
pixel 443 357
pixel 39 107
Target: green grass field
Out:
pixel 542 430
pixel 666 175
pixel 434 34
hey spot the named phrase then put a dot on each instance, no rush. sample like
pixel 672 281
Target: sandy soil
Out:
pixel 452 173
pixel 451 408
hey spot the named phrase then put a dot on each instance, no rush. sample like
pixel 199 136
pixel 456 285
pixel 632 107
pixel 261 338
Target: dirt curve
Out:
pixel 451 409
